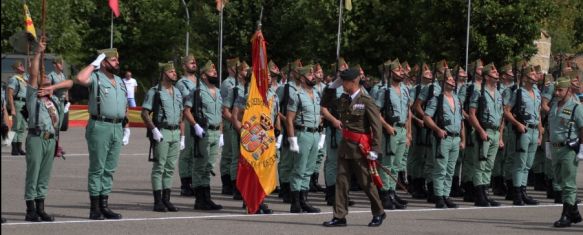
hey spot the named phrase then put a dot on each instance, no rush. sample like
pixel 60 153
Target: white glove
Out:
pixel 66 109
pixel 221 141
pixel 322 141
pixel 182 145
pixel 580 154
pixel 293 144
pixel 198 131
pixel 372 155
pixel 126 136
pixel 156 135
pixel 97 62
pixel 278 141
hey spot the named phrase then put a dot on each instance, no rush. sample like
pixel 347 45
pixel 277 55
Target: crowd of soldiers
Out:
pixel 446 132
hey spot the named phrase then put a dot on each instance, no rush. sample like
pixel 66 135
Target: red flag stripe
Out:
pixel 114 5
pixel 249 186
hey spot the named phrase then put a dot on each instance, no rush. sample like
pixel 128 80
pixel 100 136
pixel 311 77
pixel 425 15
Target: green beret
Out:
pixel 563 82
pixel 109 52
pixel 165 67
pixel 448 73
pixel 474 65
pixel 405 64
pixel 341 61
pixel 207 67
pixel 58 60
pixel 303 71
pixel 233 62
pixel 489 67
pixel 392 65
pixel 506 68
pixel 243 66
pixel 187 58
pixel 16 64
pixel 349 74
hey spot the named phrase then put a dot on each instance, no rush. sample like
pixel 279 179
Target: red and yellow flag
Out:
pixel 221 4
pixel 28 25
pixel 114 5
pixel 257 172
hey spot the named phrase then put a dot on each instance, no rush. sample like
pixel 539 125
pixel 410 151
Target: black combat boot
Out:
pixel 480 197
pixel 565 220
pixel 449 203
pixel 264 209
pixel 456 190
pixel 387 203
pixel 166 200
pixel 227 185
pixel 440 202
pixel 399 199
pixel 574 214
pixel 517 197
pixel 40 210
pixel 539 182
pixel 104 207
pixel 186 187
pixel 530 179
pixel 410 183
pixel 236 193
pixel 31 214
pixel 306 207
pixel 430 193
pixel 209 201
pixel 393 199
pixel 469 195
pixel 491 201
pixel 158 205
pixel 286 192
pixel 558 197
pixel 14 151
pixel 511 190
pixel 3 220
pixel 295 202
pixel 20 150
pixel 498 187
pixel 528 200
pixel 314 186
pixel 402 179
pixel 419 191
pixel 200 200
pixel 550 190
pixel 94 212
pixel 330 195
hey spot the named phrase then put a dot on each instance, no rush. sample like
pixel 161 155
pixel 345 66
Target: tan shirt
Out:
pixel 359 115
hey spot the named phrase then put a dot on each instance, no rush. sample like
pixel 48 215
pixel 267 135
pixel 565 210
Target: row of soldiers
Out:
pixel 433 121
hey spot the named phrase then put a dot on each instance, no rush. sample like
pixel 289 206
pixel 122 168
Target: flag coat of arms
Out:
pixel 257 171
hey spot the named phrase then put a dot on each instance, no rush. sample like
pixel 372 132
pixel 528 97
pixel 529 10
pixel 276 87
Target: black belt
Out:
pixel 451 134
pixel 399 124
pixel 213 128
pixel 168 127
pixel 106 119
pixel 20 99
pixel 532 126
pixel 491 127
pixel 306 129
pixel 43 134
pixel 559 145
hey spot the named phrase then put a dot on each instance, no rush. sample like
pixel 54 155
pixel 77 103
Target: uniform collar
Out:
pixel 355 94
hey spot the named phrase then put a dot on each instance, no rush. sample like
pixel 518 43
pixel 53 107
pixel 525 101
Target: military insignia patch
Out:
pixel 567 111
pixel 358 107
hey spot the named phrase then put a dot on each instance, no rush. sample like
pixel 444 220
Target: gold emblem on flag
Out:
pixel 254 137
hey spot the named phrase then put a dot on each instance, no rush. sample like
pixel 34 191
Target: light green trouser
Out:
pixel 203 165
pixel 444 165
pixel 392 155
pixel 458 163
pixel 227 151
pixel 470 161
pixel 538 164
pixel 416 159
pixel 104 141
pixel 429 158
pixel 236 152
pixel 522 162
pixel 40 154
pixel 187 154
pixel 404 160
pixel 304 161
pixel 565 168
pixel 510 152
pixel 319 159
pixel 550 174
pixel 165 155
pixel 331 162
pixel 284 166
pixel 19 124
pixel 485 154
pixel 503 157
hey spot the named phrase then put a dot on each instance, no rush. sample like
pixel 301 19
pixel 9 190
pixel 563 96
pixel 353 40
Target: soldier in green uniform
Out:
pixel 302 122
pixel 443 115
pixel 360 125
pixel 461 85
pixel 486 111
pixel 242 86
pixel 566 124
pixel 206 103
pixel 164 103
pixel 536 175
pixel 59 86
pixel 523 112
pixel 551 185
pixel 107 108
pixel 228 87
pixel 501 169
pixel 40 142
pixel 16 97
pixel 186 85
pixel 314 177
pixel 393 100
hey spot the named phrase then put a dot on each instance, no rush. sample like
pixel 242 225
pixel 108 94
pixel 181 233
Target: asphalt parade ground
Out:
pixel 68 201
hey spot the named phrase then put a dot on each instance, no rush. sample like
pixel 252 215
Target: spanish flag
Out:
pixel 256 175
pixel 28 25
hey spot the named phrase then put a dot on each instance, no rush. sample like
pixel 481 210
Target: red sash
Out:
pixel 364 142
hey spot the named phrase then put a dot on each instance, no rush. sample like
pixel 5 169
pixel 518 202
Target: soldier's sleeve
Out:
pixel 229 96
pixel 372 114
pixel 292 104
pixel 12 83
pixel 240 102
pixel 412 95
pixel 474 99
pixel 423 93
pixel 188 100
pixel 149 99
pixel 579 117
pixel 548 91
pixel 431 107
pixel 380 98
pixel 512 97
pixel 92 81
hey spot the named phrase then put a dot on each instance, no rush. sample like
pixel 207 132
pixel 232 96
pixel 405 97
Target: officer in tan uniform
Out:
pixel 360 121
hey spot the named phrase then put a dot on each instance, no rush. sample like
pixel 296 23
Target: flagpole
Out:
pixel 221 44
pixel 187 27
pixel 111 35
pixel 339 32
pixel 468 32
